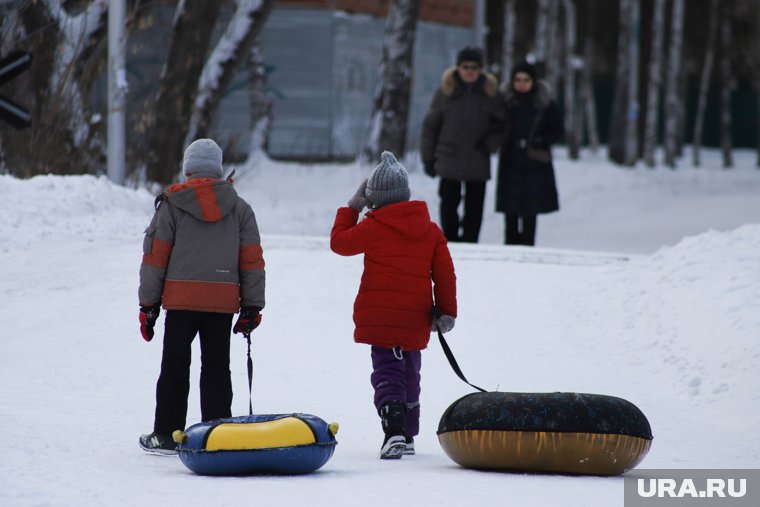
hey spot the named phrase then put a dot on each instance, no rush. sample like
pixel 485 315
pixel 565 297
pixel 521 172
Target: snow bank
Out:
pixel 86 206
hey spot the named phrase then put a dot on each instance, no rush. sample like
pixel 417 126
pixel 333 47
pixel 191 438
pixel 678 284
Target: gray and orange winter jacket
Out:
pixel 202 250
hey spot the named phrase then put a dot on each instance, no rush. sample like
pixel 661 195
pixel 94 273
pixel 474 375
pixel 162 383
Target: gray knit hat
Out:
pixel 203 159
pixel 388 183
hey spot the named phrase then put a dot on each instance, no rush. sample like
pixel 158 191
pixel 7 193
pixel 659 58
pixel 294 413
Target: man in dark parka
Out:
pixel 526 185
pixel 459 133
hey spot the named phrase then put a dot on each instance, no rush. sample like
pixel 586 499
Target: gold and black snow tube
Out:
pixel 567 433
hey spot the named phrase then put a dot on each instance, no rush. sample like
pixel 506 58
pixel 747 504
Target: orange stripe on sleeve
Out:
pixel 251 258
pixel 159 254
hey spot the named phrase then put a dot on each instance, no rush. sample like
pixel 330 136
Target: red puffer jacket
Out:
pixel 403 252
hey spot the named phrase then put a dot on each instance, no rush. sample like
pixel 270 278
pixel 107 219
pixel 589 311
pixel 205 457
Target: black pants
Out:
pixel 520 229
pixel 173 384
pixel 450 192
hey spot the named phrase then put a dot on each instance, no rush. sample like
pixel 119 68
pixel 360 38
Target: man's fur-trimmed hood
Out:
pixel 541 96
pixel 449 83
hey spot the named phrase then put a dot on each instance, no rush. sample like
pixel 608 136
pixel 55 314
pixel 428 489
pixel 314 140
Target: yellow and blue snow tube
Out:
pixel 567 433
pixel 257 444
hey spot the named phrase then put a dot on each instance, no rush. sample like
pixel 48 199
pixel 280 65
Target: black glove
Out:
pixel 429 168
pixel 148 317
pixel 482 147
pixel 249 319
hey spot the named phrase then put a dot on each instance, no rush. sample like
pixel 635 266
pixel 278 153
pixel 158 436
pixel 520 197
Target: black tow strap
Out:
pixel 250 375
pixel 453 362
pixel 450 355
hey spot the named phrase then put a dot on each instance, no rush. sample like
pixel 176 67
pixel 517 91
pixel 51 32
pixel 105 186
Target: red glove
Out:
pixel 249 319
pixel 148 317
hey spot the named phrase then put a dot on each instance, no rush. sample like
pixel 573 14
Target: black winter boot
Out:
pixel 393 417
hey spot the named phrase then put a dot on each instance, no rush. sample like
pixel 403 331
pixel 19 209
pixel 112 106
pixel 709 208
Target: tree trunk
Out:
pixel 508 43
pixel 632 123
pixel 587 82
pixel 60 139
pixel 193 23
pixel 655 82
pixel 261 104
pixel 727 83
pixel 572 132
pixel 540 42
pixel 704 84
pixel 619 105
pixel 390 112
pixel 554 48
pixel 673 103
pixel 233 48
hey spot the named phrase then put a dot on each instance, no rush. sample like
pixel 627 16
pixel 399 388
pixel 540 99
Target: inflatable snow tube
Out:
pixel 568 433
pixel 257 444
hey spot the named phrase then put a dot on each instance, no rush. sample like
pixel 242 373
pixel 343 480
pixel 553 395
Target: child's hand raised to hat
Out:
pixel 358 201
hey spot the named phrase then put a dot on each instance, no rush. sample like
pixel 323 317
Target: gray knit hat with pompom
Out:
pixel 388 183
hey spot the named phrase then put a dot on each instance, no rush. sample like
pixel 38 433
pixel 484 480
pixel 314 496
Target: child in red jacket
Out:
pixel 404 251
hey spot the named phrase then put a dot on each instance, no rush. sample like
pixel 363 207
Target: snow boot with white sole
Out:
pixel 393 416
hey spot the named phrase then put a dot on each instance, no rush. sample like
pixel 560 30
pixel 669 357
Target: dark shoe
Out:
pixel 158 444
pixel 409 446
pixel 393 447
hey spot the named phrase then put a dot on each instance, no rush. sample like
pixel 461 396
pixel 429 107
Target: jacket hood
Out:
pixel 411 219
pixel 206 199
pixel 487 83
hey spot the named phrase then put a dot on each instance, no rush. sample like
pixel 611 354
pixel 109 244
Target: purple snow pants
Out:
pixel 397 379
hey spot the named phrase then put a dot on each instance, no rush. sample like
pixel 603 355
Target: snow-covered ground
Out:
pixel 644 286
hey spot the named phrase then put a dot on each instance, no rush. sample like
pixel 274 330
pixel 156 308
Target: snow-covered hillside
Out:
pixel 644 286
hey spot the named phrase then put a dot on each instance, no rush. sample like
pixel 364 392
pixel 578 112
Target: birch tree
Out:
pixel 260 103
pixel 727 83
pixel 540 42
pixel 673 103
pixel 554 47
pixel 63 136
pixel 508 42
pixel 390 111
pixel 632 116
pixel 620 100
pixel 168 127
pixel 704 83
pixel 571 128
pixel 233 48
pixel 587 82
pixel 654 86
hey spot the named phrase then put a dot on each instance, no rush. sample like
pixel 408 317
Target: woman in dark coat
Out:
pixel 526 185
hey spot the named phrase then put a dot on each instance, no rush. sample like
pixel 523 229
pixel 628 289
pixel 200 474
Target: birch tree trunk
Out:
pixel 540 42
pixel 62 138
pixel 168 127
pixel 704 84
pixel 233 48
pixel 508 43
pixel 619 105
pixel 632 120
pixel 261 105
pixel 673 104
pixel 390 112
pixel 572 132
pixel 727 83
pixel 554 48
pixel 587 82
pixel 655 82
